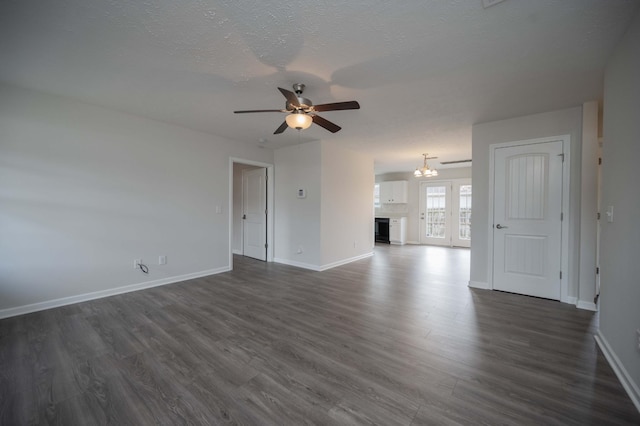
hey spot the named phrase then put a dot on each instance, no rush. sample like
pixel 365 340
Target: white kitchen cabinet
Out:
pixel 394 192
pixel 398 230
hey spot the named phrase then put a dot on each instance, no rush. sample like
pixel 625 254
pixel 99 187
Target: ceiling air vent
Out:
pixel 455 162
pixel 488 3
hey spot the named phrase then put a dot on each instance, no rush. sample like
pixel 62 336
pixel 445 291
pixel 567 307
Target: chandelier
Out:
pixel 425 171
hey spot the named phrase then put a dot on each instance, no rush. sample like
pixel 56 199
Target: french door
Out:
pixel 445 212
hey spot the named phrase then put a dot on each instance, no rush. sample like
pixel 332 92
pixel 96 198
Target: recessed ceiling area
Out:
pixel 423 72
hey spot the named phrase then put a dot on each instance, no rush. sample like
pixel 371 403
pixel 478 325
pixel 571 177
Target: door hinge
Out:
pixel 561 156
pixel 600 161
pixel 560 274
pixel 266 245
pixel 597 270
pixel 265 211
pixel 561 217
pixel 598 215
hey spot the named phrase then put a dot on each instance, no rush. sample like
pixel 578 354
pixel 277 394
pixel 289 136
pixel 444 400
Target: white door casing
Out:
pixel 254 217
pixel 527 219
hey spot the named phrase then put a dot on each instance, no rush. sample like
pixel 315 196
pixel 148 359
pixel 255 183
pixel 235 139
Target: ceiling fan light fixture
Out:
pixel 299 120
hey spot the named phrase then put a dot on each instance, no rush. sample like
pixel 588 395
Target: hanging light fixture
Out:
pixel 425 171
pixel 298 120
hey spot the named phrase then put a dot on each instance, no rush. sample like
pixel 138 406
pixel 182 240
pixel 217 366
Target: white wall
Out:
pixel 297 220
pixel 337 210
pixel 555 123
pixel 620 245
pixel 588 206
pixel 411 210
pixel 347 204
pixel 85 190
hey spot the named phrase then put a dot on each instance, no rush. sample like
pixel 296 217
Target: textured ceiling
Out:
pixel 423 71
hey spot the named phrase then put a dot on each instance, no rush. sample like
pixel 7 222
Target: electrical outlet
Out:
pixel 162 260
pixel 136 262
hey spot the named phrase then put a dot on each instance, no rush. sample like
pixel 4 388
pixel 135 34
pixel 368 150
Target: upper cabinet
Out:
pixel 394 192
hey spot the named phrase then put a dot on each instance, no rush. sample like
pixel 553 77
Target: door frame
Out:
pixel 270 204
pixel 567 219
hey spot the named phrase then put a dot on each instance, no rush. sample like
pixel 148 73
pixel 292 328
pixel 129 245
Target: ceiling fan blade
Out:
pixel 326 124
pixel 281 129
pixel 260 110
pixel 337 106
pixel 291 97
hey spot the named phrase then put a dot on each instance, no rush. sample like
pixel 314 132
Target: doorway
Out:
pixel 251 210
pixel 528 226
pixel 445 212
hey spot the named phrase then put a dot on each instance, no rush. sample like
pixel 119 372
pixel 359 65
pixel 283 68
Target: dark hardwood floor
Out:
pixel 396 339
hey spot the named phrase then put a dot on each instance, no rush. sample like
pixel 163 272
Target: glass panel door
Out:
pixel 462 213
pixel 445 212
pixel 435 210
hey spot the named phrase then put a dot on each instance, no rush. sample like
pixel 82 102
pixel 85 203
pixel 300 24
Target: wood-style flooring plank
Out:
pixel 395 339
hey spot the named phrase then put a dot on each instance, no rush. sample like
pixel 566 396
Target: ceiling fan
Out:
pixel 302 112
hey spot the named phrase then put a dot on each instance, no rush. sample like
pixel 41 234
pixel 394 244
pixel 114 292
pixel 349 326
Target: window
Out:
pixel 465 213
pixel 376 195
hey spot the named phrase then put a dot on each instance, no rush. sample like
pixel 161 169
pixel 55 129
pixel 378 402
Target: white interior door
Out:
pixel 527 225
pixel 254 215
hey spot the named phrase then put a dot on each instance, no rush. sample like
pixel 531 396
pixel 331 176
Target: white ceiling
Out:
pixel 423 71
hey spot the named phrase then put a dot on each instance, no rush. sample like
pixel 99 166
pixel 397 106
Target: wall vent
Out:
pixel 488 3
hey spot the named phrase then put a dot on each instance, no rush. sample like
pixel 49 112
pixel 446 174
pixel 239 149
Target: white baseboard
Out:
pixel 625 379
pixel 572 300
pixel 345 261
pixel 297 264
pixel 588 306
pixel 323 267
pixel 236 251
pixel 413 242
pixel 55 303
pixel 479 284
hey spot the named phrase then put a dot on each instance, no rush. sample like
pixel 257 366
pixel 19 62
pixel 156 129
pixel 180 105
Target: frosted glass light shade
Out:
pixel 299 120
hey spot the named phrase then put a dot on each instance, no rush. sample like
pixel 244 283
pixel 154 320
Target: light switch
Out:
pixel 609 214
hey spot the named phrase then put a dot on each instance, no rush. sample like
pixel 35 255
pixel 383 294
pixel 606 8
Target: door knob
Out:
pixel 501 227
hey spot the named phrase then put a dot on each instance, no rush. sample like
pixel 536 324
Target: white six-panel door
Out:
pixel 527 225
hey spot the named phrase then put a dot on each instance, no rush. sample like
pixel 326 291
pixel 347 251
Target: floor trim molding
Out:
pixel 588 306
pixel 345 261
pixel 479 284
pixel 625 379
pixel 55 303
pixel 323 267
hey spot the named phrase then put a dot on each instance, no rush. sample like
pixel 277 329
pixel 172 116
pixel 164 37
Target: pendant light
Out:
pixel 425 171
